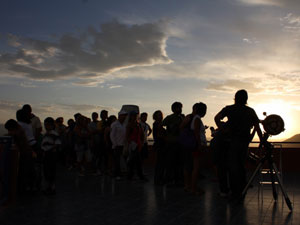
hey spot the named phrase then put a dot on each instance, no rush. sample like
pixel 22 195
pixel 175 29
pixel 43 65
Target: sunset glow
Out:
pixel 84 56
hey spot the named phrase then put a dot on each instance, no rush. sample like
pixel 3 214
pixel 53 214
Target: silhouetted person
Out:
pixel 135 140
pixel 117 137
pixel 82 138
pixel 147 132
pixel 103 155
pixel 35 122
pixel 26 171
pixel 219 145
pixel 23 118
pixel 70 144
pixel 50 144
pixel 108 144
pixel 174 167
pixel 192 156
pixel 95 142
pixel 159 146
pixel 241 119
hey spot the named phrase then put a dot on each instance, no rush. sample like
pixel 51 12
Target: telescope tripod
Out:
pixel 273 171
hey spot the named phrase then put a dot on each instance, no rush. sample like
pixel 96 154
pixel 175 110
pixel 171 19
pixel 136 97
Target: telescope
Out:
pixel 273 125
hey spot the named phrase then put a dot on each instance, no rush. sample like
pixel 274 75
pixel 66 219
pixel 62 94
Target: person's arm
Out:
pixel 149 130
pixel 258 130
pixel 165 122
pixel 218 119
pixel 257 127
pixel 142 134
pixel 252 134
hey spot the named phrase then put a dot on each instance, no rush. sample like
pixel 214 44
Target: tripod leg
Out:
pixel 286 197
pixel 275 195
pixel 251 179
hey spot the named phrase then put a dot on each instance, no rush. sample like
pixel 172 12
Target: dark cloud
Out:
pixel 91 54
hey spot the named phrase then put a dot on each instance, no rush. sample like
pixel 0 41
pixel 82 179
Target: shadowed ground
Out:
pixel 102 200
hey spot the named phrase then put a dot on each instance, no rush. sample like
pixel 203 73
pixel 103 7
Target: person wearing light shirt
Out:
pixel 117 137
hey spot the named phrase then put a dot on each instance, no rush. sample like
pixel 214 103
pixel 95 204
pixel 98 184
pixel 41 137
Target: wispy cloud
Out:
pixel 115 86
pixel 26 84
pixel 260 2
pixel 92 53
pixel 250 40
pixel 291 24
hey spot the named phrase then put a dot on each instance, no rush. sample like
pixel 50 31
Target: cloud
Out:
pixel 115 86
pixel 26 84
pixel 8 109
pixel 93 53
pixel 233 85
pixel 275 85
pixel 287 4
pixel 9 106
pixel 291 24
pixel 259 2
pixel 250 41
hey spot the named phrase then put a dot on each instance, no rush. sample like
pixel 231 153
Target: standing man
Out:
pixel 240 120
pixel 35 122
pixel 95 142
pixel 117 137
pixel 147 132
pixel 174 167
pixel 103 154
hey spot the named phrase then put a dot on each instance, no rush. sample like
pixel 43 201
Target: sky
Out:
pixel 70 56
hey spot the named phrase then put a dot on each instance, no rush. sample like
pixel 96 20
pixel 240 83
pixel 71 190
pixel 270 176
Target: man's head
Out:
pixel 103 115
pixel 176 108
pixel 27 108
pixel 59 120
pixel 158 116
pixel 12 126
pixel 23 116
pixel 144 117
pixel 49 124
pixel 241 97
pixel 200 109
pixel 94 116
pixel 71 122
pixel 122 116
pixel 76 116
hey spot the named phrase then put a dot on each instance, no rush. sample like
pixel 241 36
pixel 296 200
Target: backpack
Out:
pixel 187 137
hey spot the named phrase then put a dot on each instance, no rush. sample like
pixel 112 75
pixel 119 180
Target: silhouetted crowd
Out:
pixel 118 146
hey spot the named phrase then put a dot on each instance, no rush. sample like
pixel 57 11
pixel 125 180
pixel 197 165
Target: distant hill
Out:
pixel 295 138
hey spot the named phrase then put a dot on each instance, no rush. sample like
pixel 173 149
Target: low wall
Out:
pixel 290 158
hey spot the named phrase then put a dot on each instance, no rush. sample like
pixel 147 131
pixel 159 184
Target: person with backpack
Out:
pixel 192 146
